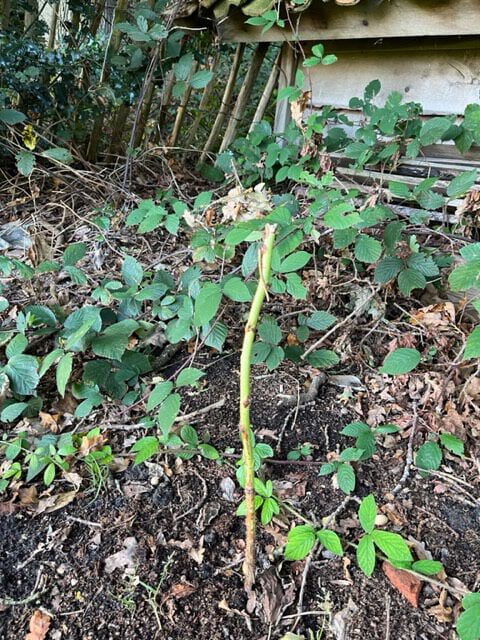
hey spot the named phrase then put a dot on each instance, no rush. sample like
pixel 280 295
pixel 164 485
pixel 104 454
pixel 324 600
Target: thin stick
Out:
pixel 409 459
pixel 245 425
pixel 267 93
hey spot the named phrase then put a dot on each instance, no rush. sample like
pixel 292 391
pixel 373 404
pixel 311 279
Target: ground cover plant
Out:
pixel 124 381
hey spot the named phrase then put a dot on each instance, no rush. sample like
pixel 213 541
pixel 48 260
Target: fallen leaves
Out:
pixel 409 585
pixel 39 626
pixel 123 559
pixel 92 443
pixel 55 502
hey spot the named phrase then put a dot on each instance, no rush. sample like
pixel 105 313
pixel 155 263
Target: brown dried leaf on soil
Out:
pixel 53 503
pixel 123 559
pixel 408 585
pixel 441 612
pixel 435 316
pixel 39 626
pixel 49 421
pixel 92 443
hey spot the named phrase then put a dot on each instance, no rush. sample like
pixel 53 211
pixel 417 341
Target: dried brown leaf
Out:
pixel 39 626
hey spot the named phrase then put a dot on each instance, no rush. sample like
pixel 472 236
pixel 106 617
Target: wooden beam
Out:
pixel 396 18
pixel 288 68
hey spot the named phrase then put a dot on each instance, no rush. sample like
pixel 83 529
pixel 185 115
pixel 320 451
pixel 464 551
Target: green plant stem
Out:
pixel 265 264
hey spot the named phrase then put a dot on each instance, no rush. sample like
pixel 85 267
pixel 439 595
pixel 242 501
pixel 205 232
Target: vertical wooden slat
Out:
pixel 244 95
pixel 288 68
pixel 181 109
pixel 225 105
pixel 203 102
pixel 267 93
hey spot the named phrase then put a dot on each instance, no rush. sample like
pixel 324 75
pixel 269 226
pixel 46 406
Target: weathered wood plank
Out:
pixel 396 18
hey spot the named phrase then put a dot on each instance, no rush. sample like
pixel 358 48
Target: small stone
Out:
pixel 155 481
pixel 381 520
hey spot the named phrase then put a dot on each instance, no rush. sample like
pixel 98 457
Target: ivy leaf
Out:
pixel 64 370
pixel 366 555
pixel 392 545
pixel 400 361
pixel 367 249
pixel 300 542
pixel 367 513
pixel 331 541
pixel 472 348
pixel 429 456
pixel 207 303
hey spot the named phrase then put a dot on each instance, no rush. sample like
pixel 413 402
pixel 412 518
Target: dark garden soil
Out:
pixel 155 551
pixel 182 544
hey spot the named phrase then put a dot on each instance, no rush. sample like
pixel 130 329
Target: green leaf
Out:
pixel 189 376
pixel 367 513
pixel 217 336
pixel 321 320
pixel 470 600
pixel 168 411
pixel 158 394
pixel 351 454
pixel 64 370
pixel 132 271
pixel 48 360
pixel 294 261
pixel 433 130
pixel 429 456
pixel 295 286
pixel 327 469
pixel 472 348
pixel 387 269
pixel 331 541
pixel 401 361
pixel 110 346
pixel 336 218
pixel 208 451
pixel 23 373
pixel 145 448
pixel 355 429
pixel 366 555
pixel 392 545
pixel 11 413
pixel 465 276
pixel 242 507
pixel 200 79
pixel 16 346
pixel 207 303
pixel 269 509
pixel 323 358
pixel 367 249
pixel 453 444
pixel 300 542
pixel 346 477
pixel 189 435
pixel 410 279
pixel 49 474
pixel 12 116
pixel 269 331
pixel 462 183
pixel 427 567
pixel 25 162
pixel 237 290
pixel 74 253
pixel 468 624
pixel 400 190
pixel 264 450
pixel 59 154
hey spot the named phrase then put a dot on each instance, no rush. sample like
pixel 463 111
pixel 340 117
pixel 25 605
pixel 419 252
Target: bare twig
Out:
pixel 409 459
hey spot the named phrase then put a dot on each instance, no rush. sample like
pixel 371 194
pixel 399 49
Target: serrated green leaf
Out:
pixel 110 346
pixel 64 370
pixel 366 555
pixel 338 217
pixel 49 360
pixel 462 183
pixel 207 303
pixel 300 542
pixel 158 394
pixel 132 271
pixel 269 331
pixel 367 513
pixel 433 130
pixel 168 411
pixel 237 290
pixel 321 320
pixel 16 346
pixel 410 279
pixel 472 348
pixel 427 567
pixel 269 509
pixel 331 541
pixel 145 448
pixel 25 162
pixel 323 358
pixel 49 474
pixel 351 454
pixel 13 411
pixel 189 376
pixel 401 361
pixel 12 116
pixel 346 477
pixel 429 456
pixel 392 545
pixel 208 451
pixel 400 190
pixel 23 373
pixel 465 276
pixel 355 429
pixel 74 253
pixel 294 261
pixel 367 249
pixel 60 154
pixel 387 269
pixel 295 286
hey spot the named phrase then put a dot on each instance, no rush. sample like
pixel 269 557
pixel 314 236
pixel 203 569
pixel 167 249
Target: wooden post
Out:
pixel 118 127
pixel 52 33
pixel 203 102
pixel 244 95
pixel 267 93
pixel 226 99
pixel 181 109
pixel 288 68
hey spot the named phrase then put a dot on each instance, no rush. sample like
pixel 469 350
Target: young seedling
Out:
pixel 265 262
